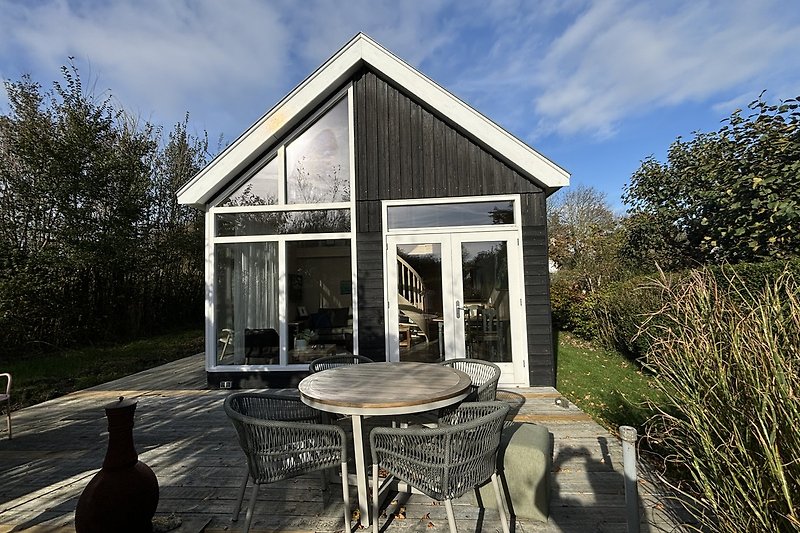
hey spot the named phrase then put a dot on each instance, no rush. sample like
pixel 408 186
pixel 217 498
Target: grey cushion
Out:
pixel 524 461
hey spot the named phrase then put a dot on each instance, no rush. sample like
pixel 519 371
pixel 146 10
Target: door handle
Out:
pixel 458 309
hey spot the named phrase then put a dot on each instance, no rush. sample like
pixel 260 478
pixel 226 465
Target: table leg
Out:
pixel 361 471
pixel 441 341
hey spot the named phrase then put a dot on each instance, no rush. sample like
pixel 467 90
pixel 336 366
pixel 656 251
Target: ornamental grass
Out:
pixel 727 367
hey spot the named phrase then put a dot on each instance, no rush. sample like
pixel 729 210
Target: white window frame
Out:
pixel 520 342
pixel 211 240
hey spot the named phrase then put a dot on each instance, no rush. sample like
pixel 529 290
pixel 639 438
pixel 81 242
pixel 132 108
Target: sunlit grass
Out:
pixel 40 377
pixel 604 384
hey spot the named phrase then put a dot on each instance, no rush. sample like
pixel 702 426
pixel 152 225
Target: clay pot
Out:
pixel 123 495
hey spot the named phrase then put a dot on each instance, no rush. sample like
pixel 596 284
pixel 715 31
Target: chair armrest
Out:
pixel 8 382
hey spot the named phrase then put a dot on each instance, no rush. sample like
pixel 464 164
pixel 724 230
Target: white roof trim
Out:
pixel 327 78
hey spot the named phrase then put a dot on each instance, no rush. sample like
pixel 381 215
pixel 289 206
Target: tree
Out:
pixel 582 230
pixel 584 239
pixel 92 241
pixel 174 254
pixel 27 191
pixel 727 196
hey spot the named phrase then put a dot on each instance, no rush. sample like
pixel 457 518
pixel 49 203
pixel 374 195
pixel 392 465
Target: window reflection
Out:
pixel 283 222
pixel 261 189
pixel 446 215
pixel 318 161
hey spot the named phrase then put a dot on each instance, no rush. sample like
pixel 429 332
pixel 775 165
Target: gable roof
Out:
pixel 360 51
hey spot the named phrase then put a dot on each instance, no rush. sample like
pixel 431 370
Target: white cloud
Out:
pixel 225 61
pixel 410 29
pixel 620 58
pixel 570 67
pixel 158 57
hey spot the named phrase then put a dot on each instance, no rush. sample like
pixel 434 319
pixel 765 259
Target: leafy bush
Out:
pixel 727 196
pixel 727 362
pixel 623 309
pixel 572 306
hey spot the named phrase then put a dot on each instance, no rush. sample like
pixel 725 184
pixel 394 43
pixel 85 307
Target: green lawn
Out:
pixel 605 385
pixel 41 377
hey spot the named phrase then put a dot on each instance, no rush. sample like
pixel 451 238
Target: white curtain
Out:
pixel 255 291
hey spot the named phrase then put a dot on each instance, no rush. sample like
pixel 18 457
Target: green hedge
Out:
pixel 616 314
pixel 46 302
pixel 572 306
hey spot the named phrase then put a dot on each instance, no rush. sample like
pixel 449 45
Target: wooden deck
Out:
pixel 182 433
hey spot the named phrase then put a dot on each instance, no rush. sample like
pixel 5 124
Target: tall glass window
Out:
pixel 319 298
pixel 281 253
pixel 246 303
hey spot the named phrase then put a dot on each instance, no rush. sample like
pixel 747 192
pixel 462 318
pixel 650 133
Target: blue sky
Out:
pixel 595 85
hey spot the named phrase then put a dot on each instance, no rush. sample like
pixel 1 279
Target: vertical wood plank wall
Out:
pixel 403 151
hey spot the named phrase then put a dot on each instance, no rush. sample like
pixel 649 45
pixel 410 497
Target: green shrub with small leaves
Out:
pixel 623 309
pixel 572 306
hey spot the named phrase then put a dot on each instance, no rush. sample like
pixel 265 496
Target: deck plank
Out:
pixel 182 433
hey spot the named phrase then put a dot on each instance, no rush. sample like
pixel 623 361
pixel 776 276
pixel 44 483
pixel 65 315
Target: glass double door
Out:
pixel 457 295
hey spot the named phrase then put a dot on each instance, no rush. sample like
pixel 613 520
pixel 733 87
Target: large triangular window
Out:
pixel 282 258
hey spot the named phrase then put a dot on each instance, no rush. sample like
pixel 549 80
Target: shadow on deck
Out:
pixel 182 433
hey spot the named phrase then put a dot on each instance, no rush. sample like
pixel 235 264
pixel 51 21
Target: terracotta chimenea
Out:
pixel 123 495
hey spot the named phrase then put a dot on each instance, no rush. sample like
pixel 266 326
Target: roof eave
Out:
pixel 327 78
pixel 272 126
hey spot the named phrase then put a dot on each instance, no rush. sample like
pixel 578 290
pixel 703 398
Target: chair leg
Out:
pixel 238 505
pixel 248 519
pixel 500 503
pixel 451 518
pixel 8 418
pixel 323 475
pixel 375 489
pixel 346 497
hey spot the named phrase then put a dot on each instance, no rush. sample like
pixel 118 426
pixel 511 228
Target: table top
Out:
pixel 384 388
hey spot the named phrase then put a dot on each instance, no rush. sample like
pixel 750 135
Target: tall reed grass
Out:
pixel 727 361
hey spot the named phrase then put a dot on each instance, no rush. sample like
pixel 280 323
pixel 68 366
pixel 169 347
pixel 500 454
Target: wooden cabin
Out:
pixel 373 212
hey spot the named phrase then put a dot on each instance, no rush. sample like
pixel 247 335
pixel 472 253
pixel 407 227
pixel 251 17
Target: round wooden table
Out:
pixel 381 389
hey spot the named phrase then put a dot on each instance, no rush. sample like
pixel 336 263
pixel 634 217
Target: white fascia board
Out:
pixel 273 125
pixel 541 169
pixel 333 73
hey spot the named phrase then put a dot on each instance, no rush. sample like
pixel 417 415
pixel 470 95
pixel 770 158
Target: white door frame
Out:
pixel 514 373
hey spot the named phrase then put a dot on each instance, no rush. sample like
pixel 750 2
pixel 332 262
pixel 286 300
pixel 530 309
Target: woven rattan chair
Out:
pixel 333 361
pixel 484 375
pixel 443 462
pixel 283 438
pixel 6 397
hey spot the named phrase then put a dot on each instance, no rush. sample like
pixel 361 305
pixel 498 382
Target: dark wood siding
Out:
pixel 405 151
pixel 371 305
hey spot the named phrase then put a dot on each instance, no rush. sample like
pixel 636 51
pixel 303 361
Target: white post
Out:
pixel 628 435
